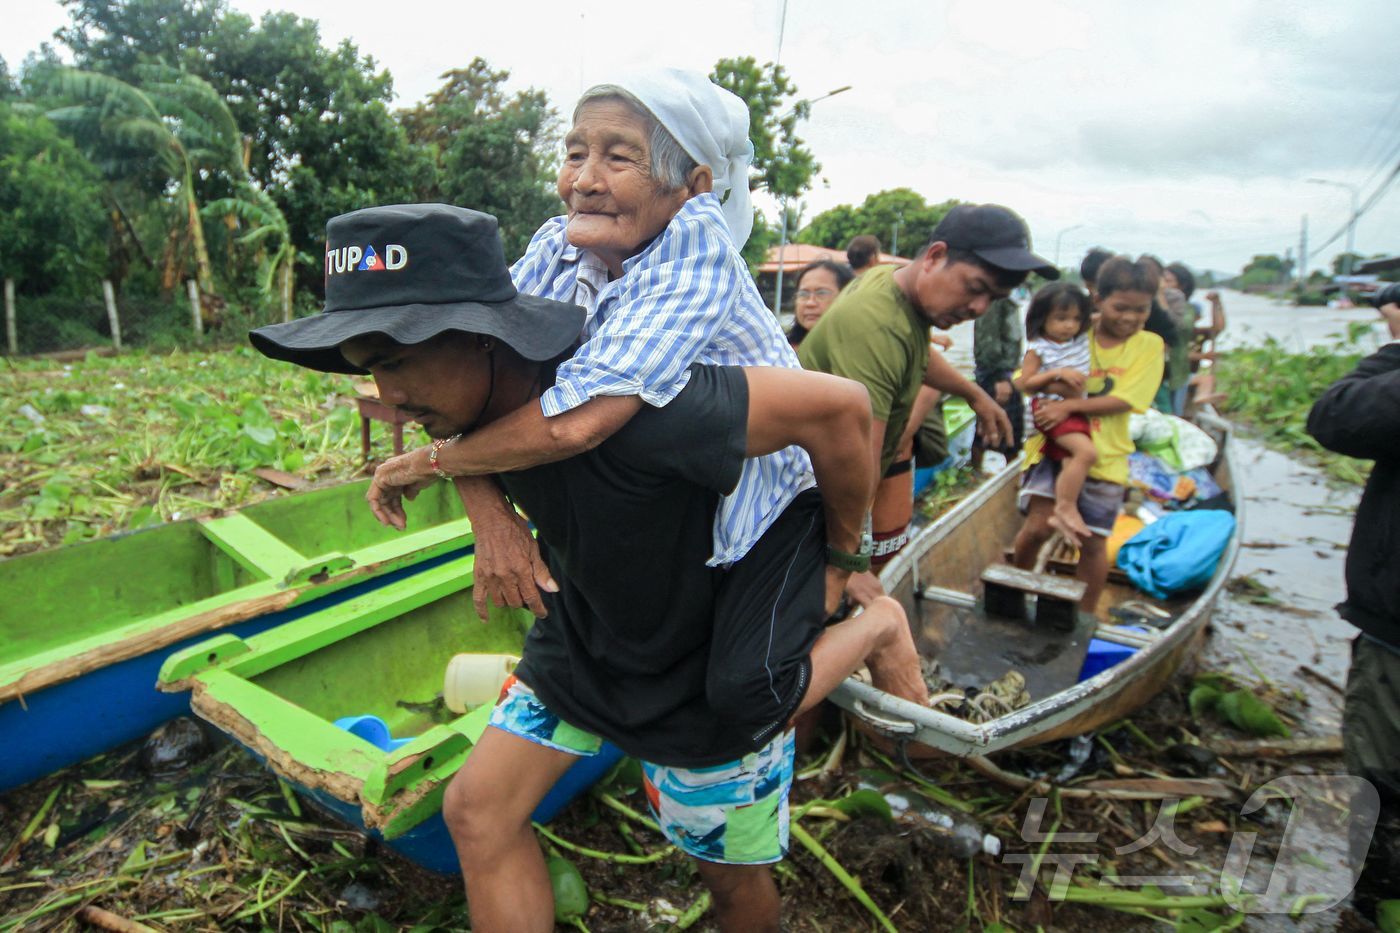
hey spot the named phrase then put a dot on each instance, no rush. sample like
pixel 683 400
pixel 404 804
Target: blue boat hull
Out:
pixel 68 722
pixel 429 845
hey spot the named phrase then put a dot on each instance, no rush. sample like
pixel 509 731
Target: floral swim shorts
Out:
pixel 735 813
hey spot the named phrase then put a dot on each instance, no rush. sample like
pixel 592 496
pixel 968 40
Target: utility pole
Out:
pixel 1351 222
pixel 782 242
pixel 1303 255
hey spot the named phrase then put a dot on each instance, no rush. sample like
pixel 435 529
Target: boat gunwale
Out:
pixel 74 659
pixel 959 737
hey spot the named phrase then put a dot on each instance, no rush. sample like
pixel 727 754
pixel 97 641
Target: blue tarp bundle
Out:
pixel 1178 552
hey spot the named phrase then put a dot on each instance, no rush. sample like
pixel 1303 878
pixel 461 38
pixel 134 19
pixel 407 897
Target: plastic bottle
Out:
pixel 958 834
pixel 473 679
pixel 955 833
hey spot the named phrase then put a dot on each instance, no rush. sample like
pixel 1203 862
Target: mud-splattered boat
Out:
pixel 938 579
pixel 84 628
pixel 297 695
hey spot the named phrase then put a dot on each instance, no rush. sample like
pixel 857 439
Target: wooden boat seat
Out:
pixel 1062 559
pixel 1005 589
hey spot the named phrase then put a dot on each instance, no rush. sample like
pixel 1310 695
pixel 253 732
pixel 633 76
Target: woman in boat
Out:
pixel 655 177
pixel 817 287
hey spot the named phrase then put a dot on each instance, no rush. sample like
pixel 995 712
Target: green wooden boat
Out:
pixel 382 654
pixel 85 627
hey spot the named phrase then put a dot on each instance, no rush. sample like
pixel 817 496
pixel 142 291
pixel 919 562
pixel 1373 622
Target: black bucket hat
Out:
pixel 996 235
pixel 411 272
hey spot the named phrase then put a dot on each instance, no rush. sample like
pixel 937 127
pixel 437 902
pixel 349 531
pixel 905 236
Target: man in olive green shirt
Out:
pixel 877 333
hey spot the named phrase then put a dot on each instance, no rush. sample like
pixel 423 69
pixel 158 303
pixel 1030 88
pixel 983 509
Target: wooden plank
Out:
pixel 1277 748
pixel 109 298
pixel 252 545
pixel 11 336
pixel 197 315
pixel 1036 584
pixel 279 478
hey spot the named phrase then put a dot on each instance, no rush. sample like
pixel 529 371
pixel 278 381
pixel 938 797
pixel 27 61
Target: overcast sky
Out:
pixel 1185 128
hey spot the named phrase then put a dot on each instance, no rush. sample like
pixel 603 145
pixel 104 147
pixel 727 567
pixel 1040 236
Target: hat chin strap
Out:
pixel 490 392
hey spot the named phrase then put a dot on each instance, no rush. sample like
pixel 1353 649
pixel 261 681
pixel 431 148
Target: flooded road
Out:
pixel 1296 528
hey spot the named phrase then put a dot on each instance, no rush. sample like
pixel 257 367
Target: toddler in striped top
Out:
pixel 1057 366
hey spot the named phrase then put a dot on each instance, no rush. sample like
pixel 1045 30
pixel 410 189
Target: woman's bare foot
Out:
pixel 1068 522
pixel 894 662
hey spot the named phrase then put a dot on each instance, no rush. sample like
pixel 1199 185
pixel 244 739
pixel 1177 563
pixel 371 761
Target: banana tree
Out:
pixel 268 234
pixel 175 117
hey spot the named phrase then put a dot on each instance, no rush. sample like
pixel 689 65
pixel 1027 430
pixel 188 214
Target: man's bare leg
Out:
pixel 487 808
pixel 745 896
pixel 879 638
pixel 1074 470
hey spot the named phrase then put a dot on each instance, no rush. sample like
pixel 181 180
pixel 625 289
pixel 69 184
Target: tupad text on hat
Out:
pixel 342 259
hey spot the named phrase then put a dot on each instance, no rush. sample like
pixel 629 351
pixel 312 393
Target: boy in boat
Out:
pixel 695 670
pixel 1125 369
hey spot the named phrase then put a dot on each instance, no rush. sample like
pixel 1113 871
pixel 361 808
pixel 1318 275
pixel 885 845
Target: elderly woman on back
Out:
pixel 655 179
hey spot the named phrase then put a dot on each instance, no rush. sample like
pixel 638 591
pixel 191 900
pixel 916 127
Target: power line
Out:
pixel 1386 160
pixel 1364 153
pixel 1371 202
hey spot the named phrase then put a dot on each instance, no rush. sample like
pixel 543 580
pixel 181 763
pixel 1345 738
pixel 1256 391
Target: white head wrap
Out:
pixel 711 125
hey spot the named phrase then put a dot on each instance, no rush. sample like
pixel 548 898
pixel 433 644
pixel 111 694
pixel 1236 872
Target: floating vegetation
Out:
pixel 114 443
pixel 1272 389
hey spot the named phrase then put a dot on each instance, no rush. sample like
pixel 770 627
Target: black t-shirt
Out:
pixel 626 529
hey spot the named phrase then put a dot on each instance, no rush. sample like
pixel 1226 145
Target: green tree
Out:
pixel 782 163
pixel 490 150
pixel 1263 270
pixel 322 139
pixel 117 38
pixel 175 117
pixel 266 236
pixel 897 214
pixel 1340 262
pixel 52 225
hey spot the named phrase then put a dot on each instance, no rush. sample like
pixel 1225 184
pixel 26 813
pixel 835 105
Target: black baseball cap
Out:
pixel 995 234
pixel 411 272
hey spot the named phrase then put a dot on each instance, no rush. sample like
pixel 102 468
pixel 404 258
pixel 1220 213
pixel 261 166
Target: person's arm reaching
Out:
pixel 992 423
pixel 668 314
pixel 829 417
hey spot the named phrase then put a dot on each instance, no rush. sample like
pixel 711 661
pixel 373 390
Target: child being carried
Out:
pixel 1056 366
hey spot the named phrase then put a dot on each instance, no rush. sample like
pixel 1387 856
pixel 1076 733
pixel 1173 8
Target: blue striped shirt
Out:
pixel 687 298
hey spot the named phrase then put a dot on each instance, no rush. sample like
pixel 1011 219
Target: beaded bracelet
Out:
pixel 438 445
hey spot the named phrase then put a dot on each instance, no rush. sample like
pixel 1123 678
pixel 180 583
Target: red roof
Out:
pixel 795 256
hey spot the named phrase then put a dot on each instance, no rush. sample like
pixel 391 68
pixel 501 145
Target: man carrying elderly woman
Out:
pixel 655 179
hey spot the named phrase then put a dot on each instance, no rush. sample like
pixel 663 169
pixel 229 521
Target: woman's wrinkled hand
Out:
pixel 509 569
pixel 394 480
